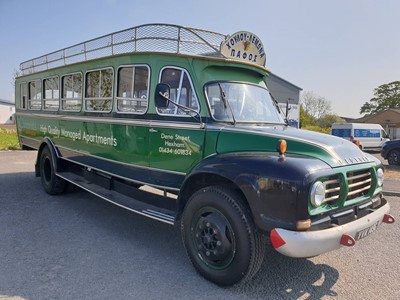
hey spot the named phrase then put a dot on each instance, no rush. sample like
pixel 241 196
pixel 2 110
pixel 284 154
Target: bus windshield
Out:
pixel 241 102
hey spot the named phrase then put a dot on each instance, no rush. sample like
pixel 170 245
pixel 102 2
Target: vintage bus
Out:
pixel 177 124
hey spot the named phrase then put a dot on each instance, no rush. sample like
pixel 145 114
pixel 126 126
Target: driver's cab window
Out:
pixel 181 92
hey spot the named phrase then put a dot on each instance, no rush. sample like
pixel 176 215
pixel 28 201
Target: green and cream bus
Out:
pixel 177 124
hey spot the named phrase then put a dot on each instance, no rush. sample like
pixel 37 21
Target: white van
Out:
pixel 368 136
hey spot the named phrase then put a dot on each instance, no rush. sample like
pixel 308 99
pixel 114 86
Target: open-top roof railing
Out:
pixel 162 38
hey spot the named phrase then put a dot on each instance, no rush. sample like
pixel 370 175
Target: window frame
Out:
pixel 62 99
pixel 117 99
pixel 180 84
pixel 23 105
pixel 44 99
pixel 111 98
pixel 30 97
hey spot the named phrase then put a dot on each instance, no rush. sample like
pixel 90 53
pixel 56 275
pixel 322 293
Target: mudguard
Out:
pixel 276 188
pixel 55 156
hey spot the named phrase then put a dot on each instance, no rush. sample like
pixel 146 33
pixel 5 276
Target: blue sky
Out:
pixel 342 50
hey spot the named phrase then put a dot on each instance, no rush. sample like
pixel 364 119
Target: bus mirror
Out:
pixel 162 95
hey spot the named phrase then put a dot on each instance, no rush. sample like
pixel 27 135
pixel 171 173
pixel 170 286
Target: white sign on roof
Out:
pixel 244 46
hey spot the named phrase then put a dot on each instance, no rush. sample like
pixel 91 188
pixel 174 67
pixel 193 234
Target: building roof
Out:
pixel 284 80
pixel 391 115
pixel 6 102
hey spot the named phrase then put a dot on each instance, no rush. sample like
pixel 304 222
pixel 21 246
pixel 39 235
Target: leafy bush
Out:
pixel 317 129
pixel 8 139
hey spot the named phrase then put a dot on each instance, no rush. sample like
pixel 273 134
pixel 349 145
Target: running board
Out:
pixel 129 203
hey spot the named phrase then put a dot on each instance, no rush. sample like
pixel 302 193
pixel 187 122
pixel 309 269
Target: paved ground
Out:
pixel 76 246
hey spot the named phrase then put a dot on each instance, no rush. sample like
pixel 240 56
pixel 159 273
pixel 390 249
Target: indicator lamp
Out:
pixel 281 147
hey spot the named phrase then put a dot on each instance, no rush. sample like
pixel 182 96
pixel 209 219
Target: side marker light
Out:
pixel 388 219
pixel 303 224
pixel 281 147
pixel 347 240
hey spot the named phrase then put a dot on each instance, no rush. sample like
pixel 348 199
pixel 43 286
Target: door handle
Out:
pixel 152 130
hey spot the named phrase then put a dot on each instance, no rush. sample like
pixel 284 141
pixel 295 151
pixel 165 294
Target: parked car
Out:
pixel 391 152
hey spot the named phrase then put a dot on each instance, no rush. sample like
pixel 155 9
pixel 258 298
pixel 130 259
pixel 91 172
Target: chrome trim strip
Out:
pixel 336 189
pixel 358 190
pixel 352 185
pixel 158 214
pixel 343 213
pixel 118 121
pixel 353 177
pixel 365 205
pixel 332 181
pixel 180 125
pixel 332 198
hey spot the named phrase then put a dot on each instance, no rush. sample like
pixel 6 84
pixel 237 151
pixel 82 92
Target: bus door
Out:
pixel 176 137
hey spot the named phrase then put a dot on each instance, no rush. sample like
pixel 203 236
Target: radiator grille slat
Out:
pixel 359 183
pixel 332 189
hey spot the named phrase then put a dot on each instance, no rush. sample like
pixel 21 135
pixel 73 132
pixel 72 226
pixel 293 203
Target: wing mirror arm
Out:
pixel 162 100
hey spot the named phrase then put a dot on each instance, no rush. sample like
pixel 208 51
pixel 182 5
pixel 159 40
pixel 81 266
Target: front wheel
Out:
pixel 51 183
pixel 220 237
pixel 394 157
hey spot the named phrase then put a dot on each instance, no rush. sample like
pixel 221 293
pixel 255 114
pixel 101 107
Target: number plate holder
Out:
pixel 367 231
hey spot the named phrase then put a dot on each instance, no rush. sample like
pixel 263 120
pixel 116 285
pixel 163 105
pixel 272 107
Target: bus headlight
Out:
pixel 380 176
pixel 317 193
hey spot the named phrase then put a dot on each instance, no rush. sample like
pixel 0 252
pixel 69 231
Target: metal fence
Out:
pixel 162 38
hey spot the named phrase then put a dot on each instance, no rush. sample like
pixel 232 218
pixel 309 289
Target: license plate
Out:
pixel 366 231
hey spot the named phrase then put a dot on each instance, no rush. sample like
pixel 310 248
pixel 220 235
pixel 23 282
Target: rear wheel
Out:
pixel 394 157
pixel 51 183
pixel 220 237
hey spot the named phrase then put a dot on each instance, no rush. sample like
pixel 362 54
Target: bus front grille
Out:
pixel 359 183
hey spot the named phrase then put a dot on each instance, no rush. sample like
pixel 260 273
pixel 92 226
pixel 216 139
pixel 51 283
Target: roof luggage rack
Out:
pixel 159 38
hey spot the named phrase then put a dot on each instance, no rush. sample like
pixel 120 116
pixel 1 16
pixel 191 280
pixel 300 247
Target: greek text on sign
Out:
pixel 244 46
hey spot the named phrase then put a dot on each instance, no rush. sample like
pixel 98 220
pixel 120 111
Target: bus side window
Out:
pixel 98 93
pixel 23 94
pixel 51 94
pixel 181 92
pixel 133 89
pixel 35 95
pixel 71 95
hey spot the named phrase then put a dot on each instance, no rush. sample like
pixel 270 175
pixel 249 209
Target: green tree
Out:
pixel 316 106
pixel 327 120
pixel 386 96
pixel 305 118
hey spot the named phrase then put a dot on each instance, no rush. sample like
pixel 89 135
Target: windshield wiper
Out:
pixel 279 110
pixel 226 102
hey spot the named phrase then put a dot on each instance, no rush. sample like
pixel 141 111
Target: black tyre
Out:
pixel 52 184
pixel 394 157
pixel 220 237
